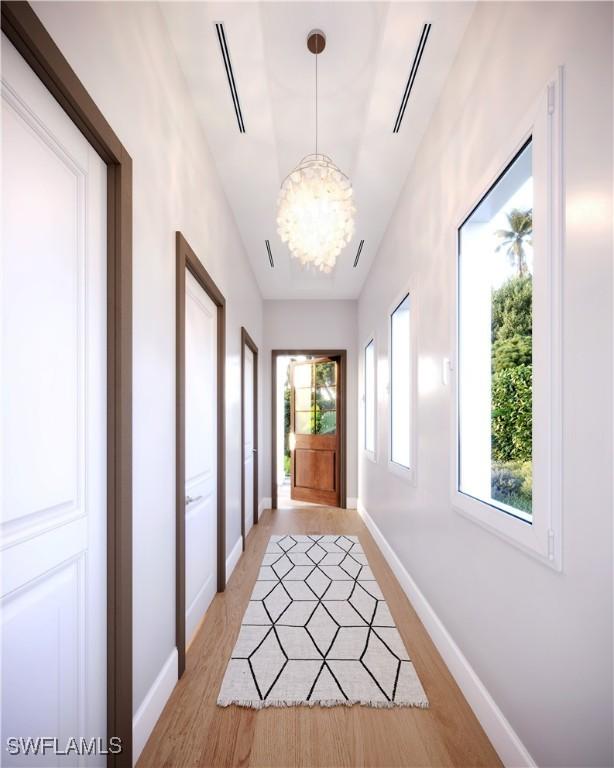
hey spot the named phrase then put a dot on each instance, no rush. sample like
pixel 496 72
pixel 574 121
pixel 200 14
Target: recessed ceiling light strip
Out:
pixel 412 76
pixel 358 252
pixel 268 248
pixel 221 36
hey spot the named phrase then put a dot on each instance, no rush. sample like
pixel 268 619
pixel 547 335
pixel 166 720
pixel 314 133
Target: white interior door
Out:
pixel 53 421
pixel 200 452
pixel 248 441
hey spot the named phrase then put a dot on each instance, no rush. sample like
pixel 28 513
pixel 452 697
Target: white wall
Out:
pixel 540 641
pixel 123 55
pixel 312 324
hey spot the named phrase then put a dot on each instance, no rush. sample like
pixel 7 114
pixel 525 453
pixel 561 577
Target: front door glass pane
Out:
pixel 303 375
pixel 315 398
pixel 325 374
pixel 326 398
pixel 326 423
pixel 303 423
pixel 303 399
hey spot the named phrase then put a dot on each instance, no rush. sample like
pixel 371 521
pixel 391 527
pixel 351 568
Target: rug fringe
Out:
pixel 260 704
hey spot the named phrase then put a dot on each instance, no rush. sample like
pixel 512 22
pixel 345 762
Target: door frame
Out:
pixel 27 33
pixel 247 341
pixel 341 356
pixel 187 259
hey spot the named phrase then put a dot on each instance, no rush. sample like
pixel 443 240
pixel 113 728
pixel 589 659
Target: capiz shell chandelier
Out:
pixel 315 213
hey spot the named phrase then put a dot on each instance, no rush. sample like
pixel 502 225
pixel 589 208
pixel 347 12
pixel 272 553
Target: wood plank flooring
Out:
pixel 193 731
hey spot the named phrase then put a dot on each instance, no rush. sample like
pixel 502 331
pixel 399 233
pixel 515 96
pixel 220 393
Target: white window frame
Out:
pixel 408 474
pixel 542 537
pixel 371 455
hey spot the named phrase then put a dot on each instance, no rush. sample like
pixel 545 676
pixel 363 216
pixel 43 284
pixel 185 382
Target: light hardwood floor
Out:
pixel 193 731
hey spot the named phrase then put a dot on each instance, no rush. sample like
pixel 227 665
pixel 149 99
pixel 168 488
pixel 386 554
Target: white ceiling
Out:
pixel 362 75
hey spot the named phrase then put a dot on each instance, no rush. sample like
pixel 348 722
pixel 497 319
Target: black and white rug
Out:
pixel 317 631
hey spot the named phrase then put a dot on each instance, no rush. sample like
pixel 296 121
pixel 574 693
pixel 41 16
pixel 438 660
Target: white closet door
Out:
pixel 53 421
pixel 248 443
pixel 200 452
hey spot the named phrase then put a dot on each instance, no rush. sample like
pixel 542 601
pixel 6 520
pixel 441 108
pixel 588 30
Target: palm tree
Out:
pixel 516 237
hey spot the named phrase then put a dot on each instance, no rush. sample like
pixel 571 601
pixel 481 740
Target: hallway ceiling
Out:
pixel 362 76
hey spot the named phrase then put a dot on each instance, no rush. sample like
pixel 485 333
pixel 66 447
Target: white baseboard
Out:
pixel 351 503
pixel 265 503
pixel 233 557
pixel 195 612
pixel 504 739
pixel 152 705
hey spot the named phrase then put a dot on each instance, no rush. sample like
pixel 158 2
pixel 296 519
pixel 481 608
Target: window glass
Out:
pixel 369 392
pixel 495 405
pixel 326 398
pixel 315 398
pixel 327 424
pixel 303 422
pixel 400 384
pixel 303 375
pixel 303 399
pixel 325 373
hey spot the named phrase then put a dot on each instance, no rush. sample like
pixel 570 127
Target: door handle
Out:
pixel 191 499
pixel 254 450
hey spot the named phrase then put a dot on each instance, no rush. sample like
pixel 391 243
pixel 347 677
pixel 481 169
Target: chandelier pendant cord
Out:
pixel 317 53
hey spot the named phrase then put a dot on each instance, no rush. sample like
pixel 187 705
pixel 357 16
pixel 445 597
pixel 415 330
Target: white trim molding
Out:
pixel 504 739
pixel 152 705
pixel 233 557
pixel 351 503
pixel 265 503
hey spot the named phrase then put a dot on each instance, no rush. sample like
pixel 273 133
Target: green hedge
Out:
pixel 512 417
pixel 511 352
pixel 512 309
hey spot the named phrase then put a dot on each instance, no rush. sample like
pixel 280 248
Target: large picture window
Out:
pixel 507 435
pixel 400 384
pixel 369 396
pixel 496 343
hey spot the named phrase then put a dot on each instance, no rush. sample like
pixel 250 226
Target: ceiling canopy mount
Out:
pixel 316 41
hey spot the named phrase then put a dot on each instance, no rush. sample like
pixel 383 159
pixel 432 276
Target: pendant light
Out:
pixel 315 214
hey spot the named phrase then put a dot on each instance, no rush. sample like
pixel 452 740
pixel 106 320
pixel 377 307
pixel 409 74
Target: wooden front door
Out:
pixel 314 437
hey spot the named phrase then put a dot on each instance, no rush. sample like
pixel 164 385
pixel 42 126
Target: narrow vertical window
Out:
pixel 400 384
pixel 369 394
pixel 495 338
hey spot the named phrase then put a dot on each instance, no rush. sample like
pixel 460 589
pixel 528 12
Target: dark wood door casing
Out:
pixel 186 259
pixel 247 341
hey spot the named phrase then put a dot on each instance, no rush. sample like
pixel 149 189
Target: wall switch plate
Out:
pixel 446 367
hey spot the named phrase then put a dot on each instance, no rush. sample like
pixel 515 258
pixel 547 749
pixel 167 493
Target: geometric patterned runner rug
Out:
pixel 317 631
